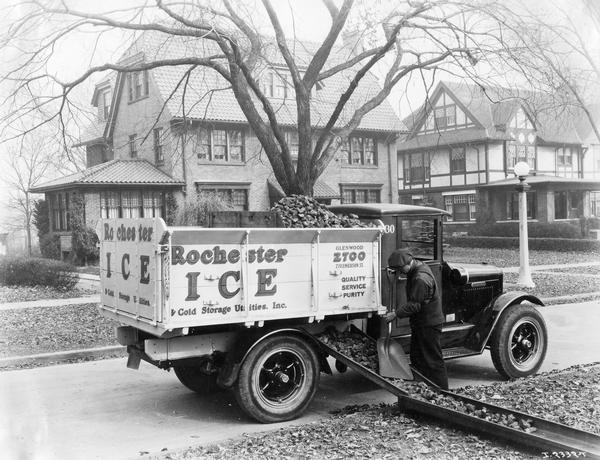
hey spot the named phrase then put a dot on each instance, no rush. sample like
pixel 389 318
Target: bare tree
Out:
pixel 559 58
pixel 26 164
pixel 400 40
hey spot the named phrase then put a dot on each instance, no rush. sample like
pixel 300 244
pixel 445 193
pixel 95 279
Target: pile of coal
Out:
pixel 422 391
pixel 299 211
pixel 353 345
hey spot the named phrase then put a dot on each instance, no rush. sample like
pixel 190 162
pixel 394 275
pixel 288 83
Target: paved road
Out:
pixel 104 410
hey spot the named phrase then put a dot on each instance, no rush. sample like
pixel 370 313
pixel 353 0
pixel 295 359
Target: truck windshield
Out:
pixel 418 235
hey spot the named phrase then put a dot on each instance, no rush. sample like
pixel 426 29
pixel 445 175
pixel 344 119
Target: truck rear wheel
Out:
pixel 278 379
pixel 196 380
pixel 519 342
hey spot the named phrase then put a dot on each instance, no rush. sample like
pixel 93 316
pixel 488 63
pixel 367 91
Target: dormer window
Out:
pixel 104 103
pixel 137 84
pixel 445 114
pixel 278 84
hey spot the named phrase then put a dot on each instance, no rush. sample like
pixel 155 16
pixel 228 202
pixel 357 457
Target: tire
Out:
pixel 519 342
pixel 278 379
pixel 194 379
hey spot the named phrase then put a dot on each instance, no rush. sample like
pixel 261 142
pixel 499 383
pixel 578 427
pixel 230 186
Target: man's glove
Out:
pixel 389 317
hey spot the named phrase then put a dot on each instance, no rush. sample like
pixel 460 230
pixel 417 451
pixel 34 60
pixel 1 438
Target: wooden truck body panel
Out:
pixel 164 279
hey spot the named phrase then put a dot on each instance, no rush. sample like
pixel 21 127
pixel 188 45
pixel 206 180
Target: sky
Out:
pixel 310 21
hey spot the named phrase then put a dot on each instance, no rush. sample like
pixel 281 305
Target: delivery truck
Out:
pixel 241 308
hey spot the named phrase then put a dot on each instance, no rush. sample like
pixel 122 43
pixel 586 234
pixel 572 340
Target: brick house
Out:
pixel 461 149
pixel 154 133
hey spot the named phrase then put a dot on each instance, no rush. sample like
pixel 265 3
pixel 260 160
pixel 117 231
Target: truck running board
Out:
pixel 549 436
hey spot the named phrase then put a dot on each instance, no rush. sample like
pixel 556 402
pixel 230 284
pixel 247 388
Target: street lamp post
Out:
pixel 521 170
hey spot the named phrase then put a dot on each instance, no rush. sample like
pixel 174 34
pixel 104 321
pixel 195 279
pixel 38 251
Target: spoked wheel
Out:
pixel 278 379
pixel 281 377
pixel 519 342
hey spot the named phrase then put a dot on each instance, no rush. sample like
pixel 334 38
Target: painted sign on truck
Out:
pixel 128 264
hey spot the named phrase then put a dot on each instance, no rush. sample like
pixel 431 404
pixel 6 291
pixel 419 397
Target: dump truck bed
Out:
pixel 163 279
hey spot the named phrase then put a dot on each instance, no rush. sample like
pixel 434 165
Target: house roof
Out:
pixel 584 127
pixel 95 130
pixel 114 172
pixel 492 108
pixel 445 138
pixel 208 96
pixel 543 179
pixel 92 133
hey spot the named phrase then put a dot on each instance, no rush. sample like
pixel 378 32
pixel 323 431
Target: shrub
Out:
pixel 41 220
pixel 84 238
pixel 29 271
pixel 196 212
pixel 171 208
pixel 589 223
pixel 50 246
pixel 534 230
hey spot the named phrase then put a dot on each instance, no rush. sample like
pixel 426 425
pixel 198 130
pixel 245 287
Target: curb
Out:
pixel 61 356
pixel 50 302
pixel 583 295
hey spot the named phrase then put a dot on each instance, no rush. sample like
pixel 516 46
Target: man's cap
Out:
pixel 400 258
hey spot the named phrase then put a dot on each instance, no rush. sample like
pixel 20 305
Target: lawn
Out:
pixel 510 257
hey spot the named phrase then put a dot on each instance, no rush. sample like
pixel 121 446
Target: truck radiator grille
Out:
pixel 480 295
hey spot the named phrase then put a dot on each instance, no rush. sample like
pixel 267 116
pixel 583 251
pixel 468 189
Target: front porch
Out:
pixel 550 199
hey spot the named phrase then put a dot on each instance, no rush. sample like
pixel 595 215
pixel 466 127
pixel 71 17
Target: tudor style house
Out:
pixel 464 142
pixel 154 135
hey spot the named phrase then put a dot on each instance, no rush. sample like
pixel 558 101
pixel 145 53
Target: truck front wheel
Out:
pixel 278 379
pixel 519 342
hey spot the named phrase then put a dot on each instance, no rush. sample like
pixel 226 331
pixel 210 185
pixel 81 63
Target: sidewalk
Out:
pixel 50 302
pixel 552 267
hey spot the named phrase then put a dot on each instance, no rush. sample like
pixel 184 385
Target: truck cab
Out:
pixel 478 313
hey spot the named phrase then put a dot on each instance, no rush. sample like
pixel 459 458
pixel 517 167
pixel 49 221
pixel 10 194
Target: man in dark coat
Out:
pixel 424 307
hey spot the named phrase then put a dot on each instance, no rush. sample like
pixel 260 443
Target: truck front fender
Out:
pixel 488 318
pixel 229 374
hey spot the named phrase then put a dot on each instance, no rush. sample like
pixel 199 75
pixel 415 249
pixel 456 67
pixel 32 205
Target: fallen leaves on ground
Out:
pixel 570 397
pixel 555 285
pixel 384 432
pixel 510 257
pixel 29 331
pixel 10 294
